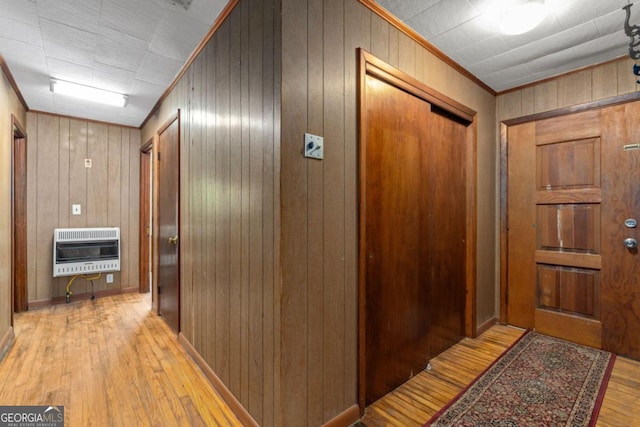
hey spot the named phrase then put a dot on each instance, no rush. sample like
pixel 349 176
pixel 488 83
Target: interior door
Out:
pixel 168 223
pixel 145 217
pixel 19 218
pixel 571 186
pixel 413 225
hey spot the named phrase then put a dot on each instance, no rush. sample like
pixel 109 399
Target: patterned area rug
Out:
pixel 539 381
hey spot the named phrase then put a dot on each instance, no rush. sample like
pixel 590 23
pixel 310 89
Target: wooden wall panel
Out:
pixel 9 105
pixel 229 203
pixel 107 192
pixel 286 343
pixel 595 83
pixel 319 224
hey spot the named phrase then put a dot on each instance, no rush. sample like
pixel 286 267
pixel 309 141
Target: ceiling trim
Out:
pixel 214 28
pixel 391 19
pixel 557 76
pixel 12 82
pixel 83 119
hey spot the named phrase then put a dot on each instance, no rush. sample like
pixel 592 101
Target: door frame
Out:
pixel 155 233
pixel 369 65
pixel 504 184
pixel 19 300
pixel 146 217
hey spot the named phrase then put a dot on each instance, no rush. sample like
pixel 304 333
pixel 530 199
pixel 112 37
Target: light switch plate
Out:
pixel 313 146
pixel 76 210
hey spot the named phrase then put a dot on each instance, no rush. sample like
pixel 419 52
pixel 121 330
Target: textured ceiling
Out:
pixel 137 47
pixel 134 47
pixel 575 33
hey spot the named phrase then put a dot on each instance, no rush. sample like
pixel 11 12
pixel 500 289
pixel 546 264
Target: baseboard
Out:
pixel 344 419
pixel 6 342
pixel 81 297
pixel 236 407
pixel 486 325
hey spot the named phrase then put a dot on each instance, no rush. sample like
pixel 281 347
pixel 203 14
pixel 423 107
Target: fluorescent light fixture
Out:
pixel 522 17
pixel 88 93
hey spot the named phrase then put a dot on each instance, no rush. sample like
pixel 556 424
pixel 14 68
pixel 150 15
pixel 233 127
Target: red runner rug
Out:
pixel 539 381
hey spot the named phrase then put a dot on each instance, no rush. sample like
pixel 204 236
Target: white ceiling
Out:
pixel 137 47
pixel 575 33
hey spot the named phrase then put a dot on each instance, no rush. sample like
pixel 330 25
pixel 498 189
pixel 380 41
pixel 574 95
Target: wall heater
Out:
pixel 85 250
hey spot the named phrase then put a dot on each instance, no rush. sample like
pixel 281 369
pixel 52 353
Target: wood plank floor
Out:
pixel 110 362
pixel 413 403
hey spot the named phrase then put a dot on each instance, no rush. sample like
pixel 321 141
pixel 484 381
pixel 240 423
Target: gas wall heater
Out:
pixel 85 250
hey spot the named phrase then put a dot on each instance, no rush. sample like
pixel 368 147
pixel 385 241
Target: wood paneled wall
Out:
pixel 9 104
pixel 108 193
pixel 591 84
pixel 229 210
pixel 269 238
pixel 319 198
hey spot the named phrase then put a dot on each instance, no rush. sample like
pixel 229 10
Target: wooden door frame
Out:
pixel 19 300
pixel 155 232
pixel 369 65
pixel 504 184
pixel 146 190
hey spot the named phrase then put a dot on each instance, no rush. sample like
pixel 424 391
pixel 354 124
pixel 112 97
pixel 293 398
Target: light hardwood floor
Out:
pixel 413 403
pixel 110 362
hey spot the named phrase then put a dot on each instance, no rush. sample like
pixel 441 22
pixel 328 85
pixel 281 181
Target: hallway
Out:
pixel 109 362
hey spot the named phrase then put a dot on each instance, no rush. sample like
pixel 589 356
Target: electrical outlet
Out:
pixel 109 278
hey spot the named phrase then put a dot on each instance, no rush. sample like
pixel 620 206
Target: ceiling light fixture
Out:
pixel 88 93
pixel 522 17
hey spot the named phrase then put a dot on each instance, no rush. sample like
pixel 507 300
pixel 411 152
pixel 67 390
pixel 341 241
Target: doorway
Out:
pixel 18 216
pixel 416 256
pixel 146 220
pixel 168 210
pixel 572 208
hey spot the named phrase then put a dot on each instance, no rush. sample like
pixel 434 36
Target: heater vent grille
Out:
pixel 85 250
pixel 71 234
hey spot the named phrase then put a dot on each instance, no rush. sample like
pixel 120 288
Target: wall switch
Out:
pixel 76 210
pixel 109 278
pixel 87 163
pixel 313 146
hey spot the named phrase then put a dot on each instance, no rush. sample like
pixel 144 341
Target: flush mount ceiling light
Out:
pixel 522 17
pixel 88 93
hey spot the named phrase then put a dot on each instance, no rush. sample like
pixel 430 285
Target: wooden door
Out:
pixel 145 217
pixel 19 217
pixel 620 289
pixel 168 223
pixel 571 185
pixel 413 228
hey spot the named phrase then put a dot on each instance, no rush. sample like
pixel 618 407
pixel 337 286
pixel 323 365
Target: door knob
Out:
pixel 174 240
pixel 630 243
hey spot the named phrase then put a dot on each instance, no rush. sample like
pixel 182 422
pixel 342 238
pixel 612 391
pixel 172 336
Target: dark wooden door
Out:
pixel 572 183
pixel 413 230
pixel 145 218
pixel 620 282
pixel 19 218
pixel 168 223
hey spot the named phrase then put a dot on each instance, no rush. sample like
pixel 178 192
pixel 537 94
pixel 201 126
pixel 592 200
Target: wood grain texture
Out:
pixel 133 363
pixel 521 240
pixel 229 248
pixel 107 192
pixel 277 298
pixel 417 400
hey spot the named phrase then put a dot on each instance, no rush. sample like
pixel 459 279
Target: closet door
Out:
pixel 414 228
